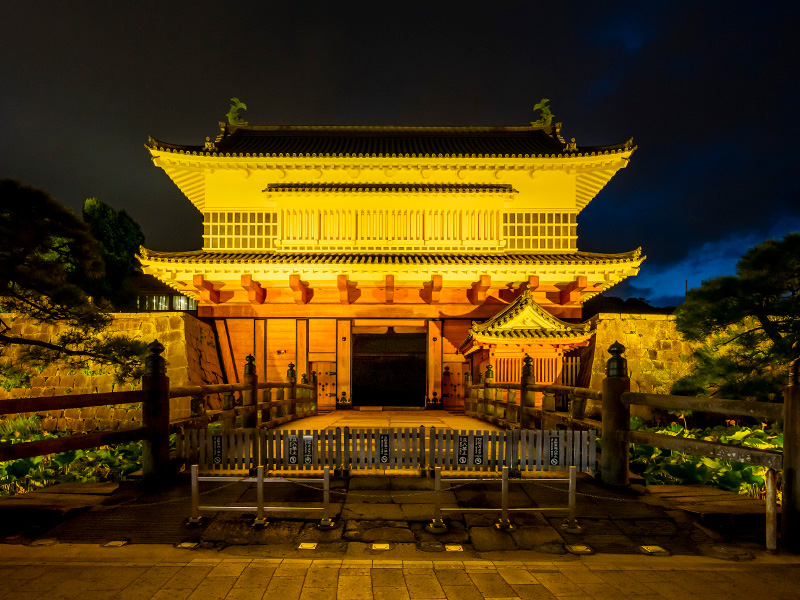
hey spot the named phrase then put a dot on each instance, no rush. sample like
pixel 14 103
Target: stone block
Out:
pixel 72 413
pixel 175 322
pixel 49 424
pixel 61 425
pixel 120 414
pixel 162 325
pixel 103 412
pixel 91 424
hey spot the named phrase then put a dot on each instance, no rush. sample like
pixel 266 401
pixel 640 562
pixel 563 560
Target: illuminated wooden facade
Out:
pixel 318 239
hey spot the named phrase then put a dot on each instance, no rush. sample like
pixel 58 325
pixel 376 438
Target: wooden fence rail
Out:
pixel 292 401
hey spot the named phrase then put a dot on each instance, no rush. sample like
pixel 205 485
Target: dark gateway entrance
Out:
pixel 389 369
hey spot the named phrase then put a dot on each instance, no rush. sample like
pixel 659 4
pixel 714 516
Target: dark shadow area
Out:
pixel 389 369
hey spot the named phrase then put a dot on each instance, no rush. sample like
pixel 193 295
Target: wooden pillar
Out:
pixel 527 397
pixel 616 419
pixel 434 389
pixel 790 516
pixel 344 361
pixel 155 415
pixel 250 396
pixel 489 393
pixel 301 359
pixel 291 393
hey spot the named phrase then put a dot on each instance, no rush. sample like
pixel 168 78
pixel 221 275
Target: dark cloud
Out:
pixel 707 91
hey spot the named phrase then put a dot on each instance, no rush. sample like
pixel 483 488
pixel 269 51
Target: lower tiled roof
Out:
pixel 353 258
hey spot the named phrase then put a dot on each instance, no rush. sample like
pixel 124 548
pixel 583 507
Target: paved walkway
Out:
pixel 391 418
pixel 135 572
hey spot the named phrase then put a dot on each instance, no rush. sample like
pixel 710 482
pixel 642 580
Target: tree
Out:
pixel 748 324
pixel 120 238
pixel 45 249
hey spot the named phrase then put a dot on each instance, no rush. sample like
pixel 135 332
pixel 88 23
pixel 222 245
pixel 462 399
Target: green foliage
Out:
pixel 747 325
pixel 13 377
pixel 47 251
pixel 108 463
pixel 659 466
pixel 120 238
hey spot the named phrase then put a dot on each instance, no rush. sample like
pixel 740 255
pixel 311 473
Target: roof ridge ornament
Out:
pixel 233 113
pixel 546 118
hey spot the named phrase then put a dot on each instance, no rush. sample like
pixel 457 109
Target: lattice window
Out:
pixel 240 230
pixel 536 231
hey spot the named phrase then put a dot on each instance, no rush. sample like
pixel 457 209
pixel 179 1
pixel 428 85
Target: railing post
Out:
pixel 155 415
pixel 228 423
pixel 616 419
pixel 249 396
pixel 790 516
pixel 489 393
pixel 291 392
pixel 526 396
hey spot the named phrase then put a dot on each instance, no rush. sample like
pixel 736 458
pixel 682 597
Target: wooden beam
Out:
pixel 389 290
pixel 300 289
pixel 436 289
pixel 572 293
pixel 206 288
pixel 477 293
pixel 255 293
pixel 533 283
pixel 344 289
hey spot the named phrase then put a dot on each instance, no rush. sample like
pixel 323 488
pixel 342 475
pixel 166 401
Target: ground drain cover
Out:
pixel 380 546
pixel 579 549
pixel 115 544
pixel 453 548
pixel 653 550
pixel 307 546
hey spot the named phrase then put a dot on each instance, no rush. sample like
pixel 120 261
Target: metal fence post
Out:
pixel 155 415
pixel 489 393
pixel 437 524
pixel 790 516
pixel 527 398
pixel 251 395
pixel 616 419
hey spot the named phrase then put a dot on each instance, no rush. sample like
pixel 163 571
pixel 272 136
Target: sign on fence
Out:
pixel 463 449
pixel 308 449
pixel 555 451
pixel 477 456
pixel 293 449
pixel 216 449
pixel 383 449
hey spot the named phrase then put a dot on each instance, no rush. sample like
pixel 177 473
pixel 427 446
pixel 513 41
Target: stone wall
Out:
pixel 656 352
pixel 191 354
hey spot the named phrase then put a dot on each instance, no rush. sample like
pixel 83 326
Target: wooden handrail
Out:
pixel 741 408
pixel 74 442
pixel 43 404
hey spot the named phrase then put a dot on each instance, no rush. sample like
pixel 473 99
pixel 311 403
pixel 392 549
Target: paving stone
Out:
pixel 453 577
pixel 528 538
pixel 646 526
pixel 421 585
pixel 532 592
pixel 387 577
pixel 310 532
pixel 388 534
pixel 390 593
pixel 353 587
pixel 385 512
pixel 322 577
pixel 486 539
pixel 492 585
pixel 462 592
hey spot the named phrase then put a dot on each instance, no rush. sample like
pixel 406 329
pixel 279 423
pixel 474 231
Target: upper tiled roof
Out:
pixel 483 188
pixel 342 258
pixel 388 142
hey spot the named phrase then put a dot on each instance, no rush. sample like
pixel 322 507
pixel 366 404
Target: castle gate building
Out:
pixel 366 254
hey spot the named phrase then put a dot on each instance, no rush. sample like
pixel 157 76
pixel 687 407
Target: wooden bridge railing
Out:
pixel 291 400
pixel 513 405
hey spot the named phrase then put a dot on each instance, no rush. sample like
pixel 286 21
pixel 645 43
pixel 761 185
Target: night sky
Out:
pixel 709 92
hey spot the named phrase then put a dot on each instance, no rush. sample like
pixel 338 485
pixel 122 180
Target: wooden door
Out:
pixel 453 390
pixel 326 385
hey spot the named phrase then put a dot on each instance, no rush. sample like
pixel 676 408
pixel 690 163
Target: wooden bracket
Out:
pixel 572 293
pixel 533 283
pixel 436 289
pixel 300 289
pixel 255 293
pixel 389 289
pixel 477 293
pixel 206 289
pixel 344 288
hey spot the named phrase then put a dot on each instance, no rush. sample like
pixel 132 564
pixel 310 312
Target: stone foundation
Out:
pixel 191 354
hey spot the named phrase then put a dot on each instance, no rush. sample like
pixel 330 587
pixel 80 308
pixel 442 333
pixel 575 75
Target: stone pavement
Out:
pixel 133 572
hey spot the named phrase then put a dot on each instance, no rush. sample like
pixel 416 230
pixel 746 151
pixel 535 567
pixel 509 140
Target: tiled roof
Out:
pixel 341 258
pixel 388 142
pixel 393 187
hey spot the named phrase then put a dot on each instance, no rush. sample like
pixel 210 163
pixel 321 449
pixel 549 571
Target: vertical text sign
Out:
pixel 308 449
pixel 383 448
pixel 293 441
pixel 216 449
pixel 555 451
pixel 463 449
pixel 477 456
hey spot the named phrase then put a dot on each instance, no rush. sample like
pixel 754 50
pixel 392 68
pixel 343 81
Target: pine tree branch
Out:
pixel 738 335
pixel 11 340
